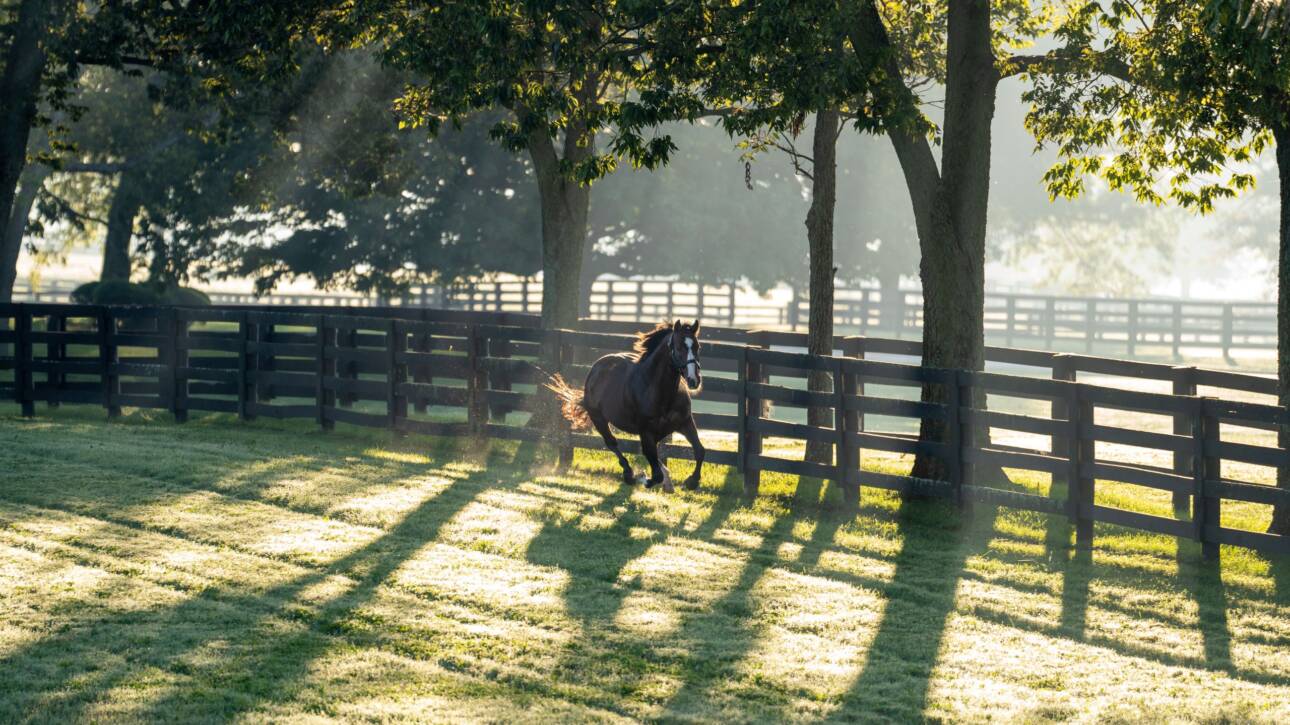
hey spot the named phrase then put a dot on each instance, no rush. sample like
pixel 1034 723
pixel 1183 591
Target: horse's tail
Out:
pixel 571 403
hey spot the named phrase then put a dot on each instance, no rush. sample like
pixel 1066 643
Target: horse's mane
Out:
pixel 649 341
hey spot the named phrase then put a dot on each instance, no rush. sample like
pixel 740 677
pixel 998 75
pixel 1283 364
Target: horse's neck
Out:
pixel 661 380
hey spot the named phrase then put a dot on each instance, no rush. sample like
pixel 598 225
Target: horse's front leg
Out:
pixel 658 472
pixel 602 427
pixel 691 433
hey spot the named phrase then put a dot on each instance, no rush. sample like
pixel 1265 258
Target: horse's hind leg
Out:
pixel 691 433
pixel 602 427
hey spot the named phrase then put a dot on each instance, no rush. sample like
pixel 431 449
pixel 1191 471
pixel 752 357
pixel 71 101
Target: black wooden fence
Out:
pixel 453 373
pixel 1089 324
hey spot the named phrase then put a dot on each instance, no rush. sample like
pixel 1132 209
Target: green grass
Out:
pixel 221 570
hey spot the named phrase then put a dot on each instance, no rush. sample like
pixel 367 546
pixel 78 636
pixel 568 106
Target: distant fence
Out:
pixel 1089 324
pixel 454 373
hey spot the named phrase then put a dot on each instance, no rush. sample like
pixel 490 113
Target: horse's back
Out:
pixel 604 373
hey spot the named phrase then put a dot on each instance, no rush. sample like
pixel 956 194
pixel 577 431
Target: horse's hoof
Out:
pixel 692 484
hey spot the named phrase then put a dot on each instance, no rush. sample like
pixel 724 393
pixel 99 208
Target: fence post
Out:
pixel 1051 309
pixel 108 359
pixel 1228 325
pixel 244 410
pixel 56 353
pixel 472 382
pixel 324 395
pixel 753 411
pixel 1083 493
pixel 843 452
pixel 424 343
pixel 395 345
pixel 175 366
pixel 741 432
pixel 1090 325
pixel 853 347
pixel 1178 329
pixel 1063 445
pixel 730 312
pixel 1208 509
pixel 1132 333
pixel 1184 383
pixel 22 362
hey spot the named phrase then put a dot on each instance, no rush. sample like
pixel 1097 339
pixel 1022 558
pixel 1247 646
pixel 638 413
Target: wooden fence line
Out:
pixel 453 373
pixel 1090 324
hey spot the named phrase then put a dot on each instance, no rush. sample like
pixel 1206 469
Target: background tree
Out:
pixel 46 44
pixel 564 72
pixel 356 201
pixel 950 200
pixel 1206 87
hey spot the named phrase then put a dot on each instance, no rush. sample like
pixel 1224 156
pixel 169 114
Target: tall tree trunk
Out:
pixel 32 179
pixel 949 203
pixel 819 236
pixel 120 230
pixel 1281 514
pixel 19 93
pixel 565 205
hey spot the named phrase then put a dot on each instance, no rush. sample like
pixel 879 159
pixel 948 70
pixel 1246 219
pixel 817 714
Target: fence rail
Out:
pixel 458 373
pixel 1089 324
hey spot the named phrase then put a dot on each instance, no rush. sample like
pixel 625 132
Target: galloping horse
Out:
pixel 641 392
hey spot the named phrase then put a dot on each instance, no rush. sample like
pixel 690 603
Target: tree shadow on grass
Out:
pixel 1203 576
pixel 721 636
pixel 263 655
pixel 1279 567
pixel 896 678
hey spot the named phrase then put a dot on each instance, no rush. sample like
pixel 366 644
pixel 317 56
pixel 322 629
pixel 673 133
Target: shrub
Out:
pixel 118 292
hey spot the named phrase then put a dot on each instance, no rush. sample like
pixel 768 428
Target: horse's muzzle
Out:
pixel 694 381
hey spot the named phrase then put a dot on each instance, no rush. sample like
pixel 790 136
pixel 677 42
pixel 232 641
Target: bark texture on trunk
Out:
pixel 1281 514
pixel 565 205
pixel 32 179
pixel 819 236
pixel 120 230
pixel 949 202
pixel 24 65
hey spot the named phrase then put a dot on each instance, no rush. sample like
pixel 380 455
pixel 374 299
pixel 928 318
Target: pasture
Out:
pixel 223 569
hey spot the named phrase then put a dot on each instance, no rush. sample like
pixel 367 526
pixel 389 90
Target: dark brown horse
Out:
pixel 642 393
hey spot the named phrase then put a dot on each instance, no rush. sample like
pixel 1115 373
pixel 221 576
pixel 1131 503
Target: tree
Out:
pixel 564 72
pixel 378 208
pixel 950 200
pixel 24 70
pixel 47 43
pixel 1205 87
pixel 780 63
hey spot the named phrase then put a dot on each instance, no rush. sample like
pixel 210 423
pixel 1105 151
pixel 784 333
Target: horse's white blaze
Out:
pixel 690 370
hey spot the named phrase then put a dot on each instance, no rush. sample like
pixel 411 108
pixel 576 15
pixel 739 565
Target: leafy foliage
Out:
pixel 1197 95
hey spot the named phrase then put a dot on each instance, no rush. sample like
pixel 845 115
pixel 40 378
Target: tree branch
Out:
pixel 1060 62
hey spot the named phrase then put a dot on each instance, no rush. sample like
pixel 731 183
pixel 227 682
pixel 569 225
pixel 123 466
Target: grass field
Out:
pixel 222 570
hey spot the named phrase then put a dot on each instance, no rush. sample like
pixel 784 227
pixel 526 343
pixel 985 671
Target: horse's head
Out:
pixel 684 342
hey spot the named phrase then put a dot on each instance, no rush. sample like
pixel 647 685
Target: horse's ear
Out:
pixel 676 325
pixel 696 327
